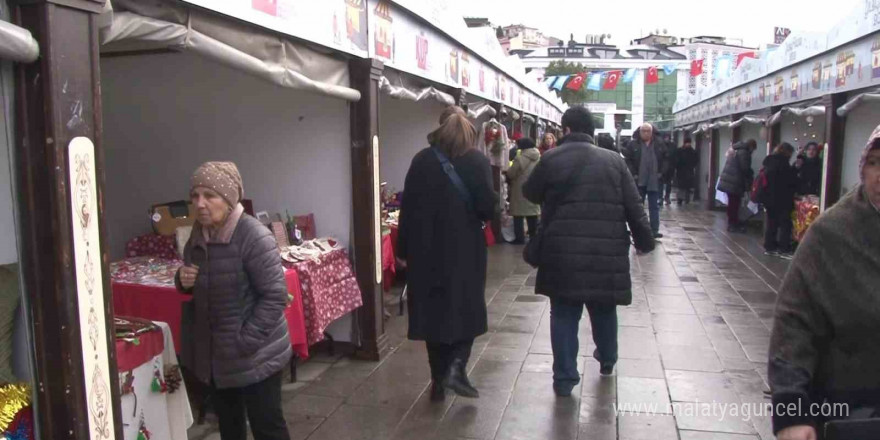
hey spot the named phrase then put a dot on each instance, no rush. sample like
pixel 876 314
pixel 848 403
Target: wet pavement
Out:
pixel 693 352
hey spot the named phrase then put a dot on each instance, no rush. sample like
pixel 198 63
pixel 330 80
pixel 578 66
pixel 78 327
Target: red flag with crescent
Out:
pixel 653 76
pixel 576 81
pixel 612 79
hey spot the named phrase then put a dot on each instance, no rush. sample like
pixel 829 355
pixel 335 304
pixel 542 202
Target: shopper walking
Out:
pixel 685 163
pixel 548 142
pixel 447 196
pixel 825 345
pixel 605 141
pixel 782 183
pixel 233 270
pixel 588 198
pixel 667 169
pixel 645 157
pixel 522 210
pixel 736 180
pixel 810 173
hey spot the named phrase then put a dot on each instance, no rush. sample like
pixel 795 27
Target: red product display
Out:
pixel 152 245
pixel 130 354
pixel 329 292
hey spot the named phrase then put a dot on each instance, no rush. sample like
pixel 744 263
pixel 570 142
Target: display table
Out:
pixel 389 262
pixel 806 211
pixel 165 412
pixel 329 291
pixel 144 288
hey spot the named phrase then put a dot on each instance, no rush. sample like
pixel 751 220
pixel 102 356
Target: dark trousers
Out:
pixel 565 317
pixel 440 356
pixel 667 191
pixel 518 227
pixel 734 201
pixel 653 206
pixel 777 235
pixel 259 403
pixel 684 195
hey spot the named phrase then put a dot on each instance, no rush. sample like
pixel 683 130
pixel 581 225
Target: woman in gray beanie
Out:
pixel 825 346
pixel 232 268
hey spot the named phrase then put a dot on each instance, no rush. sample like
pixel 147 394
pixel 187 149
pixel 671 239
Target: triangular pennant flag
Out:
pixel 744 55
pixel 697 67
pixel 577 82
pixel 612 79
pixel 560 82
pixel 653 75
pixel 630 76
pixel 669 69
pixel 548 81
pixel 595 81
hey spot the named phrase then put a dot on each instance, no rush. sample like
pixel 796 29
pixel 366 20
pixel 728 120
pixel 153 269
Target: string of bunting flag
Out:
pixel 606 80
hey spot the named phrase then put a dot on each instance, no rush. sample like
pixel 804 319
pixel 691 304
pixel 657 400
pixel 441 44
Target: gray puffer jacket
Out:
pixel 239 329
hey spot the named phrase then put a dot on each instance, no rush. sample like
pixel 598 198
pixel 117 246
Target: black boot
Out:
pixel 438 393
pixel 456 380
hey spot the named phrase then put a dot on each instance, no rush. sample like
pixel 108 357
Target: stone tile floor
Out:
pixel 697 331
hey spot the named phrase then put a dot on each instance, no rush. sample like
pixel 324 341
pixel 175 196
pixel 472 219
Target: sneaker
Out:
pixel 771 253
pixel 658 235
pixel 786 256
pixel 607 370
pixel 562 390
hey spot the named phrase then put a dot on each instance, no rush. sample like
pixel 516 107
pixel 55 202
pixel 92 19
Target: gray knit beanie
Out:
pixel 222 178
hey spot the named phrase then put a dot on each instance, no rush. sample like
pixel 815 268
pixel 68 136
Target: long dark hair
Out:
pixel 456 134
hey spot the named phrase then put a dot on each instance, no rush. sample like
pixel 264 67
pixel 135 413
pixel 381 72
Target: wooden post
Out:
pixel 496 182
pixel 774 131
pixel 365 75
pixel 714 152
pixel 832 171
pixel 62 231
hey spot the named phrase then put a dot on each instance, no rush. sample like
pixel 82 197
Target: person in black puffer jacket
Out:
pixel 810 173
pixel 233 270
pixel 781 187
pixel 736 180
pixel 588 199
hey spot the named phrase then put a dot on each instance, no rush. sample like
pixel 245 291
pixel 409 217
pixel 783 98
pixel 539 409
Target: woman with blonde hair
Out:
pixel 447 196
pixel 548 142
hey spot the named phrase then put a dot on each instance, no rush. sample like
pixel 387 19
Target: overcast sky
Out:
pixel 750 20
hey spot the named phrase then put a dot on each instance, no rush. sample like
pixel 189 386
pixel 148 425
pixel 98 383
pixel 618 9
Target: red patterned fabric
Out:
pixel 389 266
pixel 329 292
pixel 163 303
pixel 152 245
pixel 130 355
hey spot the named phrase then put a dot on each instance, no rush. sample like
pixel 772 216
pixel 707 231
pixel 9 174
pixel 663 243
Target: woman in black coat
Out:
pixel 810 173
pixel 782 183
pixel 443 245
pixel 686 161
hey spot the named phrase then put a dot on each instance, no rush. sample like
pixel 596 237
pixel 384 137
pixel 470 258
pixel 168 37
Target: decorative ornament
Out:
pixel 143 432
pixel 158 385
pixel 13 398
pixel 173 378
pixel 22 427
pixel 127 387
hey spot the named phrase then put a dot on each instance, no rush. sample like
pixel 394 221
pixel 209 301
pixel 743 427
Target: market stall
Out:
pixel 862 117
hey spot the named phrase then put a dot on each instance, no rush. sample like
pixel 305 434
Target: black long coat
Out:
pixel 588 199
pixel 444 246
pixel 782 182
pixel 686 161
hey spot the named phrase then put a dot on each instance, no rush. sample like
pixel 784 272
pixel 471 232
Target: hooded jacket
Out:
pixel 737 176
pixel 825 345
pixel 782 182
pixel 518 174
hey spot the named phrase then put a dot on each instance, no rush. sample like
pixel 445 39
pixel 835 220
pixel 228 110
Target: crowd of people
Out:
pixel 590 200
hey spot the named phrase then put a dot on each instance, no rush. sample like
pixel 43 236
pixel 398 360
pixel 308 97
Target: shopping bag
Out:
pixel 720 196
pixel 507 231
pixel 490 237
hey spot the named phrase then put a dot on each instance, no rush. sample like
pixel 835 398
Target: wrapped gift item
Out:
pixel 152 245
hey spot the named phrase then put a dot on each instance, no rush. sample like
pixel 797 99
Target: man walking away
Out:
pixel 645 158
pixel 782 184
pixel 736 180
pixel 686 161
pixel 588 198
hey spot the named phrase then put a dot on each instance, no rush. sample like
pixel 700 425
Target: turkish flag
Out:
pixel 697 67
pixel 744 55
pixel 612 79
pixel 576 82
pixel 653 76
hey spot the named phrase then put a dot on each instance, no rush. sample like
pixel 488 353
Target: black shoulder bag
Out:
pixel 459 185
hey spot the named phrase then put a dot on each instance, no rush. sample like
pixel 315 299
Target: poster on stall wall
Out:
pixel 338 24
pixel 383 32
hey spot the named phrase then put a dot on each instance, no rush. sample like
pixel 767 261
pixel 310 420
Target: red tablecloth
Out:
pixel 130 355
pixel 164 304
pixel 389 265
pixel 329 291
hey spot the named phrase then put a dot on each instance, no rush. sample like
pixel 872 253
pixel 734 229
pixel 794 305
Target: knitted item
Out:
pixel 222 178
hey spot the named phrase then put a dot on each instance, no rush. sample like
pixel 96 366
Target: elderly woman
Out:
pixel 825 346
pixel 233 270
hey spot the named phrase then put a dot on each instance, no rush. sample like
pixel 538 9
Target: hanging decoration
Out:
pixel 697 67
pixel 611 80
pixel 22 427
pixel 173 378
pixel 630 76
pixel 16 413
pixel 743 56
pixel 143 432
pixel 577 82
pixel 653 75
pixel 560 82
pixel 669 69
pixel 158 385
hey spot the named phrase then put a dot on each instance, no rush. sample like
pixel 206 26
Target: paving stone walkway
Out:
pixel 697 331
